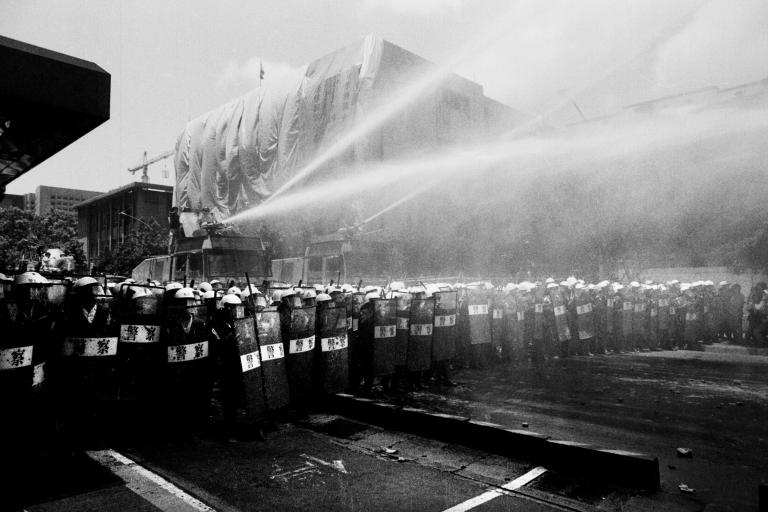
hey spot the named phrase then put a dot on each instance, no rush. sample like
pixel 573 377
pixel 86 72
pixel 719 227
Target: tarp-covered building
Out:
pixel 237 155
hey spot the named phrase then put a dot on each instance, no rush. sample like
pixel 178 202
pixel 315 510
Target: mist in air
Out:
pixel 579 182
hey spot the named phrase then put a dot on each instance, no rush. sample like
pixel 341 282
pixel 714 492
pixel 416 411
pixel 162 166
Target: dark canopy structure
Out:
pixel 47 101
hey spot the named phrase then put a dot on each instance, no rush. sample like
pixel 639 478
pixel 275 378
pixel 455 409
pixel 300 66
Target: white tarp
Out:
pixel 237 155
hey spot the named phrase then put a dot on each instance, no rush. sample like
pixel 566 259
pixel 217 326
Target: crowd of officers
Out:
pixel 78 355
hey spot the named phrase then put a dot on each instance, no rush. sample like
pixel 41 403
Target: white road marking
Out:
pixel 308 467
pixel 495 493
pixel 145 483
pixel 336 464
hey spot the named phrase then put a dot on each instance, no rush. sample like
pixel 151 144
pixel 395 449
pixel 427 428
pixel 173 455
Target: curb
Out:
pixel 744 350
pixel 620 467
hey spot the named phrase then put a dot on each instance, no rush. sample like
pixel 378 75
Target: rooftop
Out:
pixel 136 185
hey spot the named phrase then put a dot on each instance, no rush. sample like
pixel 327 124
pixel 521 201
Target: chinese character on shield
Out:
pixel 103 347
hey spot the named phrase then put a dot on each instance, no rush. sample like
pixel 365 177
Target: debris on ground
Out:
pixel 686 453
pixel 688 490
pixel 525 424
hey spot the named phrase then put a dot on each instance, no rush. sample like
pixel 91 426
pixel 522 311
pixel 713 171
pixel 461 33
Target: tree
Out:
pixel 146 240
pixel 16 238
pixel 22 234
pixel 58 229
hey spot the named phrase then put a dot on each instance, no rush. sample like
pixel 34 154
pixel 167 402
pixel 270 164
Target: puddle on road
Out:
pixel 753 391
pixel 711 389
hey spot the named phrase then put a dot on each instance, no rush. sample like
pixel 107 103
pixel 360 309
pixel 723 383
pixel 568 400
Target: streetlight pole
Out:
pixel 136 219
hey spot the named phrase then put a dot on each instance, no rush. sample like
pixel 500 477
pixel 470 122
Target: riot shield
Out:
pixel 653 325
pixel 664 317
pixel 140 353
pixel 299 347
pixel 384 336
pixel 24 347
pixel 692 324
pixel 510 342
pixel 498 330
pixel 188 369
pixel 359 345
pixel 444 333
pixel 479 320
pixel 561 320
pixel 333 357
pixel 627 309
pixel 88 352
pixel 25 353
pixel 249 369
pixel 479 328
pixel 640 323
pixel 610 305
pixel 276 390
pixel 538 320
pixel 400 349
pixel 422 319
pixel 6 285
pixel 585 319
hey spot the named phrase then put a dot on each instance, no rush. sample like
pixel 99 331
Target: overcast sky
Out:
pixel 172 61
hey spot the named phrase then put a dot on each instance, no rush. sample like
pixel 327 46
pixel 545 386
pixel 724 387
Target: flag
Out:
pixel 261 70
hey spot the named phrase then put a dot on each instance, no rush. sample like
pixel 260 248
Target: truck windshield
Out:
pixel 235 263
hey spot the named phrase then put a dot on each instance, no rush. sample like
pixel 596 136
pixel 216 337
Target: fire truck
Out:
pixel 209 253
pixel 342 257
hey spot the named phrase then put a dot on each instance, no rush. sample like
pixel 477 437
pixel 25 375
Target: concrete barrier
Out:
pixel 616 466
pixel 621 467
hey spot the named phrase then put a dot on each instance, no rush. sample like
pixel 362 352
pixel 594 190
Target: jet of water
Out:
pixel 396 101
pixel 581 147
pixel 401 98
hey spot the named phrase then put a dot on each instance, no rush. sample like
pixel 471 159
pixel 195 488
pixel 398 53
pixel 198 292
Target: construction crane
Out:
pixel 144 167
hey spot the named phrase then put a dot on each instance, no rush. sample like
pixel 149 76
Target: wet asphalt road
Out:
pixel 653 402
pixel 342 467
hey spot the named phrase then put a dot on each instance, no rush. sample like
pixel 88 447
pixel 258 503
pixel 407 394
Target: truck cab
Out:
pixel 205 258
pixel 336 258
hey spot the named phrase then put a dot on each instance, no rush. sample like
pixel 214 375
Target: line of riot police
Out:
pixel 550 319
pixel 79 363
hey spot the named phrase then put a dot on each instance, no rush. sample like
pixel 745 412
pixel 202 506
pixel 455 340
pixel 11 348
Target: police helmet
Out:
pixel 371 295
pixel 234 290
pixel 137 291
pixel 309 293
pixel 210 294
pixel 205 287
pixel 248 290
pixel 173 286
pixel 184 293
pixel 32 278
pixel 230 298
pixel 323 297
